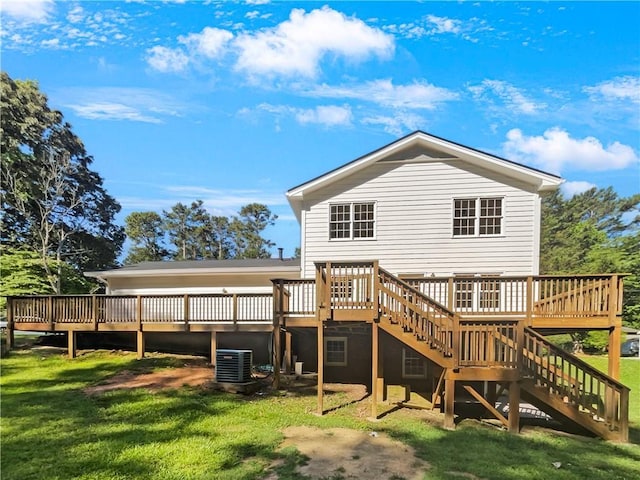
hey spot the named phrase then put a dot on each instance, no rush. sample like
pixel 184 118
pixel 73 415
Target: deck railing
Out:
pixel 519 296
pixel 44 311
pixel 577 382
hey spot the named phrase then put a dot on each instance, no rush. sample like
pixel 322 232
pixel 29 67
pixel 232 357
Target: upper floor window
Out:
pixel 352 220
pixel 477 216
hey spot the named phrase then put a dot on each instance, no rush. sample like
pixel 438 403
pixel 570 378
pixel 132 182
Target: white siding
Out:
pixel 414 209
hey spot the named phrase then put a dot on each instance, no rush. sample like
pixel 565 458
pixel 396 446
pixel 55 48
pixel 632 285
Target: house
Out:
pixel 419 268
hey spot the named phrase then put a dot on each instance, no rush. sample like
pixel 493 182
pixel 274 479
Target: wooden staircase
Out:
pixel 503 351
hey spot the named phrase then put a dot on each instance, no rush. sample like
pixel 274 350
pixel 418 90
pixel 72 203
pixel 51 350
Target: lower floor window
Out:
pixel 335 351
pixel 413 364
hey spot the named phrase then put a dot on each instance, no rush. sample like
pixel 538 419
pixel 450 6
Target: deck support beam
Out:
pixel 377 374
pixel 615 332
pixel 320 368
pixel 214 347
pixel 288 358
pixel 11 340
pixel 514 407
pixel 449 402
pixel 71 344
pixel 277 355
pixel 140 344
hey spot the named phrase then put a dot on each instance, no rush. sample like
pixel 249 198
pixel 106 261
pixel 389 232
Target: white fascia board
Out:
pixel 182 272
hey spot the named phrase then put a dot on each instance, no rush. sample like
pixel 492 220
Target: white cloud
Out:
pixel 51 43
pixel 296 46
pixel 327 115
pixel 555 150
pixel 397 125
pixel 210 43
pixel 626 88
pixel 76 14
pixel 432 25
pixel 512 97
pixel 111 111
pixel 569 189
pixel 252 14
pixel 257 2
pixel 444 25
pixel 110 103
pixel 166 59
pixel 416 95
pixel 27 10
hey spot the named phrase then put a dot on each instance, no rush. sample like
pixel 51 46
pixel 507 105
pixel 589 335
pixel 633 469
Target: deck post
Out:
pixel 449 401
pixel 214 347
pixel 139 333
pixel 277 354
pixel 288 358
pixel 322 309
pixel 140 344
pixel 10 327
pixel 615 330
pixel 94 312
pixel 529 301
pixel 514 407
pixel 375 364
pixel 185 312
pixel 320 367
pixel 71 344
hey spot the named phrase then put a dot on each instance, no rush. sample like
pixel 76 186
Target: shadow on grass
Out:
pixel 477 449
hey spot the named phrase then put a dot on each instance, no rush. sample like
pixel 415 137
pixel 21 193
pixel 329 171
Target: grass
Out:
pixel 51 430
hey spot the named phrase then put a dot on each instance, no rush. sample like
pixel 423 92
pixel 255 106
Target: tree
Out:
pixel 145 230
pixel 52 201
pixel 196 235
pixel 247 231
pixel 594 232
pixel 221 237
pixel 23 273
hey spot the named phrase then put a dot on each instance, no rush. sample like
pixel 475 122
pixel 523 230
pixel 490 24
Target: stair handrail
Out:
pixel 614 398
pixel 445 341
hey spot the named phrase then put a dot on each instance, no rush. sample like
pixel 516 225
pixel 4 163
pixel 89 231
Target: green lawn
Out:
pixel 51 430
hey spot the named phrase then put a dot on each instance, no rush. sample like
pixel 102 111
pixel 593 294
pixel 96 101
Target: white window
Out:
pixel 477 217
pixel 335 351
pixel 352 220
pixel 413 364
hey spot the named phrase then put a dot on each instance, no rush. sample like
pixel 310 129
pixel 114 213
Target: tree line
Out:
pixel 189 232
pixel 58 219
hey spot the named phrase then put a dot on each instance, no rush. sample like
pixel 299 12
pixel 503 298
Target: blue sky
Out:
pixel 236 102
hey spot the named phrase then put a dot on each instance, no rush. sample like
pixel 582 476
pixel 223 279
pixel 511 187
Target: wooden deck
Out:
pixel 475 328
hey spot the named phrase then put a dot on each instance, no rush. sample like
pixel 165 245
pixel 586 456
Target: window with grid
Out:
pixel 464 294
pixel 490 216
pixel 335 351
pixel 340 221
pixel 477 216
pixel 352 220
pixel 489 295
pixel 464 217
pixel 413 364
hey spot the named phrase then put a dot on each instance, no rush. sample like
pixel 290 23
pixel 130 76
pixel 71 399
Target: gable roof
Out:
pixel 248 266
pixel 441 149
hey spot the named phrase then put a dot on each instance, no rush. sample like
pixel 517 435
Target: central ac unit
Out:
pixel 233 366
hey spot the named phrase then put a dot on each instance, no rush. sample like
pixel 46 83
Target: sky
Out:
pixel 237 102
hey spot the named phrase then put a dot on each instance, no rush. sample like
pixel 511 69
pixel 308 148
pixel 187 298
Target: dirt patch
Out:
pixel 344 453
pixel 193 376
